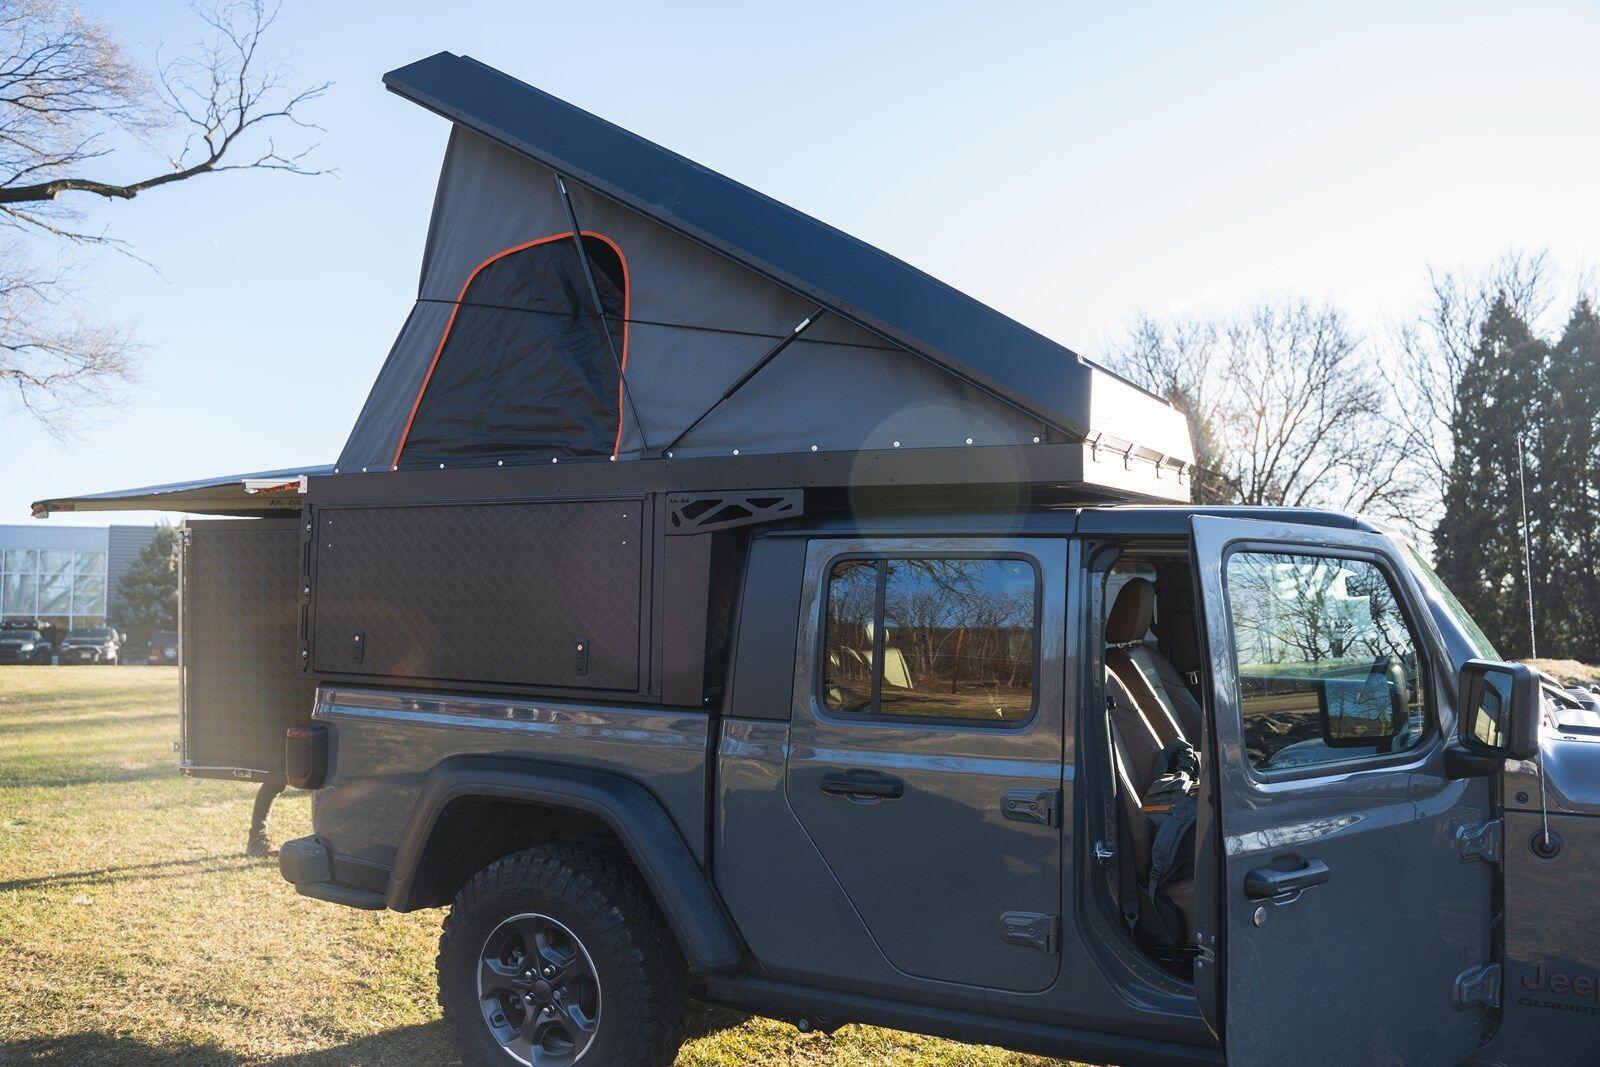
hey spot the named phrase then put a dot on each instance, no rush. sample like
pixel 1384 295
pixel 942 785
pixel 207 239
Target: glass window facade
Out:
pixel 65 586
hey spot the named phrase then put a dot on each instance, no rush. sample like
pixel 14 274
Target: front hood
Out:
pixel 1570 752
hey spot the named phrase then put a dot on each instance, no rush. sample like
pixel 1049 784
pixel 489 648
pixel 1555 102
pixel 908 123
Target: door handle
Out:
pixel 875 787
pixel 1269 882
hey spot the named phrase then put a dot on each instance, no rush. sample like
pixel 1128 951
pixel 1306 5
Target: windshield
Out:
pixel 1482 647
pixel 19 635
pixel 99 635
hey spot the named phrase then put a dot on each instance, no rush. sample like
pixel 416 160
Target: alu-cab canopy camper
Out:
pixel 618 361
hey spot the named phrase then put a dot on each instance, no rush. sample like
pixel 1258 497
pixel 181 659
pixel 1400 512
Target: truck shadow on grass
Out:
pixel 94 778
pixel 419 1045
pixel 422 1045
pixel 144 871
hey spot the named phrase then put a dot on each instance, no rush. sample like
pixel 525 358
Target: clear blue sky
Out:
pixel 1069 163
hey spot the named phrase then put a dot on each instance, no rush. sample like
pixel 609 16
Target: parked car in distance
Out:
pixel 95 644
pixel 163 648
pixel 25 646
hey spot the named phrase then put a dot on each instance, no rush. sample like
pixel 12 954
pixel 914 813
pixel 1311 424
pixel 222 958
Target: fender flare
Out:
pixel 679 885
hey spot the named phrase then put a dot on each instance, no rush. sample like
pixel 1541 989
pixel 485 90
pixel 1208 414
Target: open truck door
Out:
pixel 239 619
pixel 1356 920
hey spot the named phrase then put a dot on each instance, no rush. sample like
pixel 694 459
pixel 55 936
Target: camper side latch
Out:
pixel 580 656
pixel 1480 841
pixel 1478 985
pixel 1030 930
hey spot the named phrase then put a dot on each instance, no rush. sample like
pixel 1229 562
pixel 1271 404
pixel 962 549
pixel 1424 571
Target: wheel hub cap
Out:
pixel 539 991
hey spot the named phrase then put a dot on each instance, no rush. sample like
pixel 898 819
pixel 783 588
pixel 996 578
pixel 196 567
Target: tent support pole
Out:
pixel 600 312
pixel 755 368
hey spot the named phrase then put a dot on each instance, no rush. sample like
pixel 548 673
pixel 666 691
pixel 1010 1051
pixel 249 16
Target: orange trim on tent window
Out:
pixel 627 293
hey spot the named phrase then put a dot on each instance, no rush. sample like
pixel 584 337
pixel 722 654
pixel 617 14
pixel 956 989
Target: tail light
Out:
pixel 305 752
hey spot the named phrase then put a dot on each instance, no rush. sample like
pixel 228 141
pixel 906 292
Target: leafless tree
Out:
pixel 1178 358
pixel 1285 405
pixel 1427 354
pixel 74 110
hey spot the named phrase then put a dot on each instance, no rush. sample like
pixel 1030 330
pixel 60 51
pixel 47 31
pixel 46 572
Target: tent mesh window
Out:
pixel 524 371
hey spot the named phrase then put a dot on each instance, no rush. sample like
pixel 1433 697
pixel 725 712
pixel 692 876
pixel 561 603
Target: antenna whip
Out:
pixel 1527 549
pixel 1533 640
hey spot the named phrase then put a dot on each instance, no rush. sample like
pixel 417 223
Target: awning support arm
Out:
pixel 600 312
pixel 755 368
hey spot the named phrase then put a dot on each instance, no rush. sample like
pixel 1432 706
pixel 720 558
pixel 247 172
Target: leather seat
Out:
pixel 1142 667
pixel 1150 708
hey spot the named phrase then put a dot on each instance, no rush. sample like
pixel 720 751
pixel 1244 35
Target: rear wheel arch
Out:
pixel 472 832
pixel 443 836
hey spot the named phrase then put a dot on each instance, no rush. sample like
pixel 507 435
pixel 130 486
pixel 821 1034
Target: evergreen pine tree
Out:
pixel 1479 538
pixel 1571 470
pixel 147 594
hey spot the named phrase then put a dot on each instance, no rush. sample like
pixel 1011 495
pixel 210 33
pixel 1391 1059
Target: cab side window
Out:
pixel 955 638
pixel 1327 664
pixel 848 650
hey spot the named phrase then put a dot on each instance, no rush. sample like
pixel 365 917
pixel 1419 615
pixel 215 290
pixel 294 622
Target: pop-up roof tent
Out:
pixel 587 295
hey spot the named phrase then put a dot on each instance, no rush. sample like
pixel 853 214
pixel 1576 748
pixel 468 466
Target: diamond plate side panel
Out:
pixel 241 615
pixel 481 592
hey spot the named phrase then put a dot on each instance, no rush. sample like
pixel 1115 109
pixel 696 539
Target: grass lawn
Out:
pixel 134 930
pixel 1570 671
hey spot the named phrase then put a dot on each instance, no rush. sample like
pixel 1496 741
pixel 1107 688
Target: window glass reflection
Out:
pixel 1323 651
pixel 956 641
pixel 847 650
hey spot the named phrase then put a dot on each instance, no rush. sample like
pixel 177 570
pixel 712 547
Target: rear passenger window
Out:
pixel 956 638
pixel 1328 666
pixel 852 604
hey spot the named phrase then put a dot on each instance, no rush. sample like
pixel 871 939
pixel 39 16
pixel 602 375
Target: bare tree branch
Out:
pixel 64 81
pixel 73 104
pixel 1285 406
pixel 56 363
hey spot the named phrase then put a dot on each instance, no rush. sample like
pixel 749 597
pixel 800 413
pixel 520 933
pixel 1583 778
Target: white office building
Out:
pixel 66 575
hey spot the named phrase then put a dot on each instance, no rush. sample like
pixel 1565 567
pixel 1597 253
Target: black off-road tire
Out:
pixel 598 896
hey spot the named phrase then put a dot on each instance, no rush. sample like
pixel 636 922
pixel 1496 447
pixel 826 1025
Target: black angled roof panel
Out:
pixel 850 277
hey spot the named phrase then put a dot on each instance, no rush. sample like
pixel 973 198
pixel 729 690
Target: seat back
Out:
pixel 1144 722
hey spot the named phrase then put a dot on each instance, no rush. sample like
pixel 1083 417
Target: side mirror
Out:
pixel 1500 705
pixel 1364 711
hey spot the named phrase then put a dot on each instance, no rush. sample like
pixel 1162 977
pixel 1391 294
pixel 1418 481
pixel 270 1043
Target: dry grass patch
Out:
pixel 133 930
pixel 1569 671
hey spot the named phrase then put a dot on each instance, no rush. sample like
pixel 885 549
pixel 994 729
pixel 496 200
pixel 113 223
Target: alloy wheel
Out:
pixel 539 991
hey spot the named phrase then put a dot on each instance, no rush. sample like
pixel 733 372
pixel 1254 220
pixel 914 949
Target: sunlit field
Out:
pixel 134 930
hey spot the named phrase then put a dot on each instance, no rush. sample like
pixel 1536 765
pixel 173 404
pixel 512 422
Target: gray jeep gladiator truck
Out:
pixel 708 604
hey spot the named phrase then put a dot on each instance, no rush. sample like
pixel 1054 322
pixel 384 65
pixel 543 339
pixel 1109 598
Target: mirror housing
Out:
pixel 1499 706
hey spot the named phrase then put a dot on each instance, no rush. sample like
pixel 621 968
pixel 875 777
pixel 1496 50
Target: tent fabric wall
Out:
pixel 696 322
pixel 524 370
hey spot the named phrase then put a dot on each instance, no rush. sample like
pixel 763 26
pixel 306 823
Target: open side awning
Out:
pixel 256 493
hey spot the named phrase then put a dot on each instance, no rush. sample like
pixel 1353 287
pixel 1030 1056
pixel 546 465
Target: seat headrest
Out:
pixel 1132 614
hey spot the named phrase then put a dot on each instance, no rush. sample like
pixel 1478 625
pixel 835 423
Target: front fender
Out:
pixel 632 812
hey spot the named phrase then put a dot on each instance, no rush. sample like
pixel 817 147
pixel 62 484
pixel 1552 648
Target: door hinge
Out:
pixel 1480 841
pixel 1478 985
pixel 1042 806
pixel 1029 929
